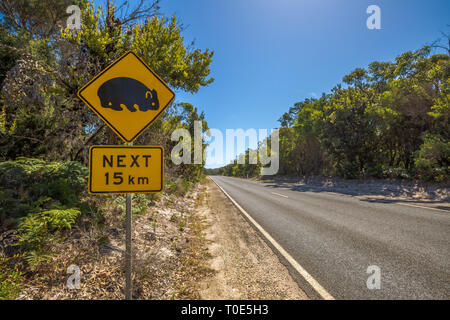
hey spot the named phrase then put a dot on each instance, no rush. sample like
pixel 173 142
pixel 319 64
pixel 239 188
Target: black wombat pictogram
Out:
pixel 128 92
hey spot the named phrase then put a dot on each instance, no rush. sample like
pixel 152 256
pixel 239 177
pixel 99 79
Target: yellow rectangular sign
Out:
pixel 126 169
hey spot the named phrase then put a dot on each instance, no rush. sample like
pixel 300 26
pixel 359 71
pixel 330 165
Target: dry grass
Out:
pixel 194 265
pixel 168 250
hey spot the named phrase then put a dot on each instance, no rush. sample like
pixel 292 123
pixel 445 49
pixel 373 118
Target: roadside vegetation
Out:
pixel 390 120
pixel 46 130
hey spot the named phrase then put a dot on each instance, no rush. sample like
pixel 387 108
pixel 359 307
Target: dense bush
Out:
pixel 41 199
pixel 41 68
pixel 36 227
pixel 141 202
pixel 396 173
pixel 432 160
pixel 33 185
pixel 388 120
pixel 178 186
pixel 11 278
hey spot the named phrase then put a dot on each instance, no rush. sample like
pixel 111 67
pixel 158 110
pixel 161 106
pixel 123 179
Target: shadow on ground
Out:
pixel 374 190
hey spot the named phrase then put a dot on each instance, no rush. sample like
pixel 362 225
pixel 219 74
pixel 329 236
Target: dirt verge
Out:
pixel 196 246
pixel 244 265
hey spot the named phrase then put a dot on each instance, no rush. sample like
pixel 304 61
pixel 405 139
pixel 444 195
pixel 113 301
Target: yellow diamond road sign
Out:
pixel 127 95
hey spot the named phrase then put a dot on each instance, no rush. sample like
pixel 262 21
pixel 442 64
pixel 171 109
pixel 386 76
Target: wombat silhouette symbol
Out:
pixel 128 92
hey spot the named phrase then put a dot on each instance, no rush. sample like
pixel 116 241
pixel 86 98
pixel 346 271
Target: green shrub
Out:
pixel 30 185
pixel 348 170
pixel 41 199
pixel 140 203
pixel 170 186
pixel 36 228
pixel 432 160
pixel 396 173
pixel 11 279
pixel 35 257
pixel 61 219
pixel 178 187
pixel 185 186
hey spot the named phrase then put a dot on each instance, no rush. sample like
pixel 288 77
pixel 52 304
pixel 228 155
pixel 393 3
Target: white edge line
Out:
pixel 309 278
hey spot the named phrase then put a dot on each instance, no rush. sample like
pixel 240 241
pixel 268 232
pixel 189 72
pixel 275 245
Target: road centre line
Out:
pixel 278 194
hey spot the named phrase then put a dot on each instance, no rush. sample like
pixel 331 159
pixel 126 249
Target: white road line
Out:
pixel 309 278
pixel 278 194
pixel 413 205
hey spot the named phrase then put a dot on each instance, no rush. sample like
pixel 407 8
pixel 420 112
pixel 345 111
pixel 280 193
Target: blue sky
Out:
pixel 270 54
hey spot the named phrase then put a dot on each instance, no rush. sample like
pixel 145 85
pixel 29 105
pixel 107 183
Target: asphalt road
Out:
pixel 336 237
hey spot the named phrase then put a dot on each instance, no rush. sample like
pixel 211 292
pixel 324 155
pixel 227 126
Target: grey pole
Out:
pixel 128 251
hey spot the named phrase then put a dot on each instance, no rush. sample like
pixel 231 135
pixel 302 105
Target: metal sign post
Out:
pixel 128 251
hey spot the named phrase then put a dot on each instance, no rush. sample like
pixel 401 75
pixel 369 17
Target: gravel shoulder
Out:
pixel 244 267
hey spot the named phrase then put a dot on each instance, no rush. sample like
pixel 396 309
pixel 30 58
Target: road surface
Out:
pixel 336 237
